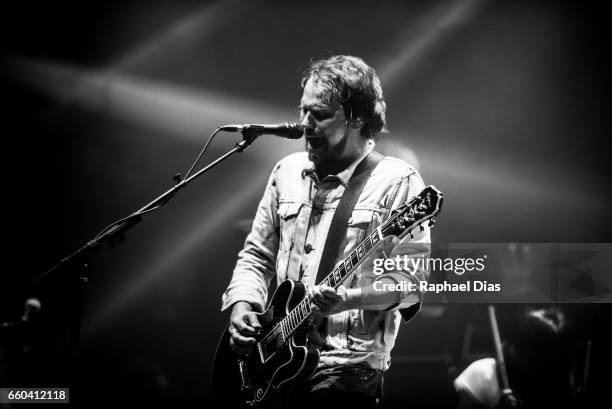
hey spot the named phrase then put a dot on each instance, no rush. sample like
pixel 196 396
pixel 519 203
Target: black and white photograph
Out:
pixel 306 204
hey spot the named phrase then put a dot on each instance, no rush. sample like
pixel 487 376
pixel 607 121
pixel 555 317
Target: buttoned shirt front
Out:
pixel 288 237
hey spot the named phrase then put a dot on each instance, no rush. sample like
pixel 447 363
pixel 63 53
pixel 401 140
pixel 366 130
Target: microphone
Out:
pixel 289 130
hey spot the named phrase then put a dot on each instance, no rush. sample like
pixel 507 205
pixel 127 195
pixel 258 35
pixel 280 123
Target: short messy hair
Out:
pixel 355 85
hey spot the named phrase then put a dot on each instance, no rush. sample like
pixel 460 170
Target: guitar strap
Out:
pixel 339 223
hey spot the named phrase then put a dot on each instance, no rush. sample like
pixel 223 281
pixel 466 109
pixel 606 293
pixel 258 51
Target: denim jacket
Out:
pixel 287 240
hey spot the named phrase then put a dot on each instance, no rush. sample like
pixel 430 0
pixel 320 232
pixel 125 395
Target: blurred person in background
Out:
pixel 537 356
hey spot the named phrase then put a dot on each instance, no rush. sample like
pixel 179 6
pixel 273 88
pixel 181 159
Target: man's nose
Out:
pixel 308 123
pixel 307 120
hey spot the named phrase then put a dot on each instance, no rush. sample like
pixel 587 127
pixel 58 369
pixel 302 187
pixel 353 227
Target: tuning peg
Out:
pixel 421 227
pixel 411 235
pixel 432 222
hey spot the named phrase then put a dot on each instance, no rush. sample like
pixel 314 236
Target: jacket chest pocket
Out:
pixel 287 213
pixel 358 225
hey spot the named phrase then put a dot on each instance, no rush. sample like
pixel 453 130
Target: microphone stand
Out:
pixel 117 229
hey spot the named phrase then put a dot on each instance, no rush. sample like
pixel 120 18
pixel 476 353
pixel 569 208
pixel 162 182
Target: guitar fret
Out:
pixel 367 244
pixel 342 270
pixel 375 237
pixel 354 258
pixel 301 311
pixel 360 252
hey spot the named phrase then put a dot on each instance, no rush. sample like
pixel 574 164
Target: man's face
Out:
pixel 330 139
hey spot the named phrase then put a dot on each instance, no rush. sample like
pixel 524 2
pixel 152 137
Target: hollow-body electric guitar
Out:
pixel 281 357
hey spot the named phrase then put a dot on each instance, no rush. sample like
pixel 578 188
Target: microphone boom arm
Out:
pixel 118 228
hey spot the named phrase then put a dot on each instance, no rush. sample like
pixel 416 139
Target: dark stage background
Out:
pixel 500 104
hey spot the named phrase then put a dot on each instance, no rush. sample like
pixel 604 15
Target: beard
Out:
pixel 317 148
pixel 327 158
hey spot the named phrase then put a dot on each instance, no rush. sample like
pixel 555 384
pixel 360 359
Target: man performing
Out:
pixel 343 110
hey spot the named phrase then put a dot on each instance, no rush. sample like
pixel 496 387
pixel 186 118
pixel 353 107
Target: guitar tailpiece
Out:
pixel 245 382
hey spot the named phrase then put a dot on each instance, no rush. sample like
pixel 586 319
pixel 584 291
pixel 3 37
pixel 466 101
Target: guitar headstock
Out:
pixel 421 209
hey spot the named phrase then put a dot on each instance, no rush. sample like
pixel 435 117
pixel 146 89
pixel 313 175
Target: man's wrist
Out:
pixel 242 306
pixel 351 299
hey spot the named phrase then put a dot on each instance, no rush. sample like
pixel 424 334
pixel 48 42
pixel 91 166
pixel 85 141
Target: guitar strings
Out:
pixel 278 327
